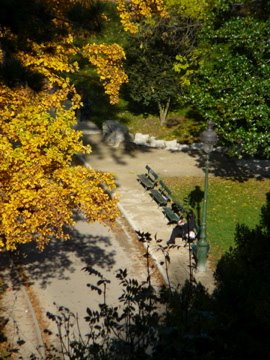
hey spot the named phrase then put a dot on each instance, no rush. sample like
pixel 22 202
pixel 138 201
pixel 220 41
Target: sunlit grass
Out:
pixel 178 127
pixel 229 203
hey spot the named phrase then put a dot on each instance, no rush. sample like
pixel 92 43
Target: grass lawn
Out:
pixel 178 126
pixel 230 203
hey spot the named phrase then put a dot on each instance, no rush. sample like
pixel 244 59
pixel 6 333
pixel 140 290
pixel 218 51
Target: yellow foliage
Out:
pixel 196 9
pixel 131 12
pixel 39 187
pixel 109 62
pixel 185 67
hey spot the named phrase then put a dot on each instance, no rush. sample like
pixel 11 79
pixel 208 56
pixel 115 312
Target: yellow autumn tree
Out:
pixel 109 62
pixel 133 11
pixel 39 187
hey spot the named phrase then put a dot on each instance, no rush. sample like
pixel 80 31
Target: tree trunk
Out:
pixel 163 112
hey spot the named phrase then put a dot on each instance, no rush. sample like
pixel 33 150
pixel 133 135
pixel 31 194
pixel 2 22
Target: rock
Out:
pixel 115 133
pixel 172 145
pixel 196 146
pixel 159 144
pixel 184 147
pixel 141 139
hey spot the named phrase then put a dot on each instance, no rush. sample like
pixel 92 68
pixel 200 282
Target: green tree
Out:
pixel 196 9
pixel 231 86
pixel 151 55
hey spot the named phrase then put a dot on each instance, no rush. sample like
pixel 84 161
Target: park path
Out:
pixel 137 206
pixel 56 275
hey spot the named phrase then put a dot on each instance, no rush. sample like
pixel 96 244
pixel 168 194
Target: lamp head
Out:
pixel 209 138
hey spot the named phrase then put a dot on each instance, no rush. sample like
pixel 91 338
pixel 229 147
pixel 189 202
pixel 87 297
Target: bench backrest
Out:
pixel 164 189
pixel 151 173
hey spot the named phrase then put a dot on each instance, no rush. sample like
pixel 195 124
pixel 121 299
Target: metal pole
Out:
pixel 202 245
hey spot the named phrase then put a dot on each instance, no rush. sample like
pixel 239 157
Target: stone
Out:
pixel 172 145
pixel 184 147
pixel 141 139
pixel 115 133
pixel 158 144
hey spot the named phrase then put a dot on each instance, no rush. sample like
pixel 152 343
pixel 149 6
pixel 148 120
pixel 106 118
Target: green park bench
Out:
pixel 172 217
pixel 149 179
pixel 174 212
pixel 171 209
pixel 162 195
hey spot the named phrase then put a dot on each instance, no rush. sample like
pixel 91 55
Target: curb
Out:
pixel 160 268
pixel 40 346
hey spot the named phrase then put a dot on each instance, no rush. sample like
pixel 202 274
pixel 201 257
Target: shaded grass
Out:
pixel 229 203
pixel 178 126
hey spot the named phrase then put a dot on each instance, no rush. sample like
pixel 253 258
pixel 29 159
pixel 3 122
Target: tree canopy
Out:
pixel 151 56
pixel 40 189
pixel 134 11
pixel 43 42
pixel 231 86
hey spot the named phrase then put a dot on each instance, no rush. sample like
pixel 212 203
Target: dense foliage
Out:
pixel 225 74
pixel 231 86
pixel 134 11
pixel 151 54
pixel 196 9
pixel 40 188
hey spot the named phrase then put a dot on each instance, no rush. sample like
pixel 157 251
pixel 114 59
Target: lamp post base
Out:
pixel 202 250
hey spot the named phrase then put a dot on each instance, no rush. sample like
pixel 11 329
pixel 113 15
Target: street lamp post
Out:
pixel 209 138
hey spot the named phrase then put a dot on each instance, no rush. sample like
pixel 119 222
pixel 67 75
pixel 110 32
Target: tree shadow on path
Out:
pixel 57 259
pixel 224 166
pixel 220 164
pixel 118 154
